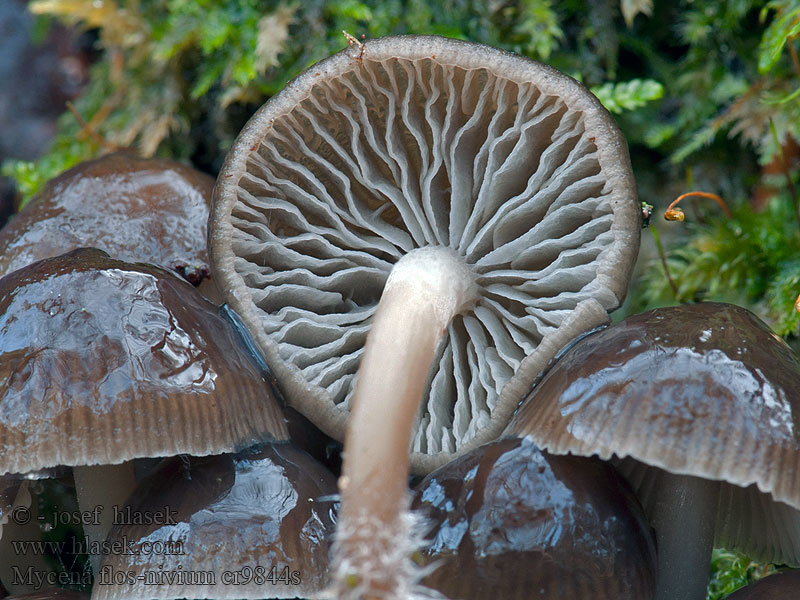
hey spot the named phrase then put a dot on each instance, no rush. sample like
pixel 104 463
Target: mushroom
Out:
pixel 486 200
pixel 137 209
pixel 511 521
pixel 504 169
pixel 256 524
pixel 701 405
pixel 103 361
pixel 782 586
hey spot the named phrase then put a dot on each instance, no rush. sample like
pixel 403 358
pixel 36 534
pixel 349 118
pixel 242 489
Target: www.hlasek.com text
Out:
pixel 122 546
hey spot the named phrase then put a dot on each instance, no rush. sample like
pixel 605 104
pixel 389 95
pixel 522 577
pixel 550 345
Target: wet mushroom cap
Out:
pixel 235 518
pixel 416 141
pixel 703 390
pixel 102 361
pixel 510 521
pixel 136 209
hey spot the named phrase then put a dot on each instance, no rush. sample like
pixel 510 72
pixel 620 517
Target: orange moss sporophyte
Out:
pixel 675 213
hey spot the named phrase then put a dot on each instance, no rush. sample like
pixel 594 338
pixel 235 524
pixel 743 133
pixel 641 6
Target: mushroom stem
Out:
pixel 102 491
pixel 684 517
pixel 374 541
pixel 16 567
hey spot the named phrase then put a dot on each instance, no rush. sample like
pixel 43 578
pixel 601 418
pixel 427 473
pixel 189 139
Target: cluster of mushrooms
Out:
pixel 408 239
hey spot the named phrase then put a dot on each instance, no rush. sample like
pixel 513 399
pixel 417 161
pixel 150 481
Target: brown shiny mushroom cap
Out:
pixel 148 210
pixel 415 142
pixel 102 361
pixel 513 522
pixel 782 586
pixel 702 389
pixel 686 395
pixel 256 525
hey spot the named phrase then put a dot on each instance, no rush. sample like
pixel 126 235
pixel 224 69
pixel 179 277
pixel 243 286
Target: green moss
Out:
pixel 731 570
pixel 694 83
pixel 30 176
pixel 172 70
pixel 752 259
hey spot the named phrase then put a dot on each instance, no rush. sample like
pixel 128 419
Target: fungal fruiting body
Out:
pixel 675 397
pixel 425 290
pixel 412 142
pixel 330 208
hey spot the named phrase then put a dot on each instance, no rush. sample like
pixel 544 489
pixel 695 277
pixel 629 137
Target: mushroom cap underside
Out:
pixel 705 390
pixel 418 141
pixel 102 361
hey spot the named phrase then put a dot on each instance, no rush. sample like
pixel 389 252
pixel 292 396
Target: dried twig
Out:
pixel 662 256
pixel 787 174
pixel 88 130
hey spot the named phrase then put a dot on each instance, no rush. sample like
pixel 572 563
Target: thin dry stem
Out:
pixel 785 169
pixel 351 39
pixel 88 130
pixel 105 110
pixel 793 54
pixel 662 256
